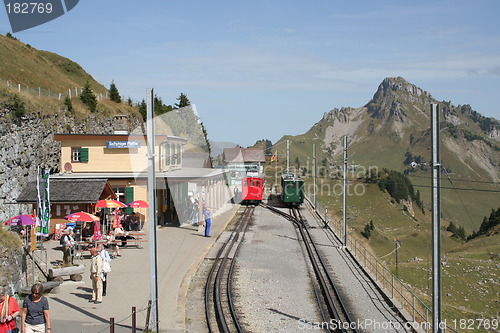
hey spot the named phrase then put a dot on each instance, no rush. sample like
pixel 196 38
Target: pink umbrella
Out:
pixel 23 219
pixel 110 204
pixel 82 217
pixel 138 204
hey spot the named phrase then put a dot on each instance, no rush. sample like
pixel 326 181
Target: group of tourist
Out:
pixel 35 316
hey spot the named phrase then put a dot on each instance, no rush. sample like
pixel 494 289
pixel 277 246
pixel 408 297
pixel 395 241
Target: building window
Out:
pixel 79 154
pixel 120 193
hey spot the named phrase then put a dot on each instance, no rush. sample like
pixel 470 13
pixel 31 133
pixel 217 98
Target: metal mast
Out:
pixel 287 156
pixel 436 222
pixel 152 210
pixel 344 213
pixel 314 174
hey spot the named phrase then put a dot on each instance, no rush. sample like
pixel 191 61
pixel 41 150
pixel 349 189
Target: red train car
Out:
pixel 252 189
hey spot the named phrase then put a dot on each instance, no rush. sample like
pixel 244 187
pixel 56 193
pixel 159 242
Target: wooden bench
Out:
pixel 49 286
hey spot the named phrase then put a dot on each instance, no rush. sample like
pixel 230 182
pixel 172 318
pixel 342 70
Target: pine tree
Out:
pixel 114 95
pixel 183 101
pixel 460 233
pixel 143 109
pixel 367 232
pixel 452 228
pixel 68 104
pixel 88 98
pixel 207 142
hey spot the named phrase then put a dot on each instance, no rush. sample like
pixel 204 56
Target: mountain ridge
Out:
pixel 392 131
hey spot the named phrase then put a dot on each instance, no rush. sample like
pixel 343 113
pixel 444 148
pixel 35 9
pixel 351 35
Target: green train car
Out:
pixel 292 188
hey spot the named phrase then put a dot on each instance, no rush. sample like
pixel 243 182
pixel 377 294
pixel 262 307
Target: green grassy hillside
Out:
pixel 470 269
pixel 25 65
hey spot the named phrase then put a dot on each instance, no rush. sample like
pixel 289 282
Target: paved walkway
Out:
pixel 180 250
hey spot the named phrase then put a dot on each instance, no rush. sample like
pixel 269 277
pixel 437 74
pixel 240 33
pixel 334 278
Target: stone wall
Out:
pixel 11 261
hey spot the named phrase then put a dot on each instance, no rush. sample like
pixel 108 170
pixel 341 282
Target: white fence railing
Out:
pixel 41 92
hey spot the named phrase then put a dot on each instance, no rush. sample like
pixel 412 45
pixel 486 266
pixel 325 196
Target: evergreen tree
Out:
pixel 367 231
pixel 183 101
pixel 159 107
pixel 451 228
pixel 88 98
pixel 460 233
pixel 143 109
pixel 129 102
pixel 488 224
pixel 68 104
pixel 114 95
pixel 205 135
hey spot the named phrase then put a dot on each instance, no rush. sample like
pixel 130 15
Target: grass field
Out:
pixel 470 270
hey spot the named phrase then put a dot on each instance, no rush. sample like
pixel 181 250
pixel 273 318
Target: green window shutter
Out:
pixel 129 197
pixel 84 155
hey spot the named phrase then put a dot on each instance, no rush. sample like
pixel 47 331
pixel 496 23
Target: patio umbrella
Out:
pixel 110 204
pixel 138 204
pixel 82 217
pixel 23 219
pixel 97 231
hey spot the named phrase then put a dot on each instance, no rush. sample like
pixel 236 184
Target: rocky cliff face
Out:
pixel 27 142
pixel 11 261
pixel 389 102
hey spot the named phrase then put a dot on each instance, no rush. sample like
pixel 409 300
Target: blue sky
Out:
pixel 262 69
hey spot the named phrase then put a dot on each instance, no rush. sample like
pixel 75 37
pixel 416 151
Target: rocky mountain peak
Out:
pixel 392 96
pixel 399 84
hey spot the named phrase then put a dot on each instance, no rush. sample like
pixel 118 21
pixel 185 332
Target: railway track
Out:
pixel 331 306
pixel 220 312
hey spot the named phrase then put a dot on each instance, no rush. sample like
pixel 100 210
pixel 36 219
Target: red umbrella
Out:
pixel 110 204
pixel 97 231
pixel 138 204
pixel 23 219
pixel 82 217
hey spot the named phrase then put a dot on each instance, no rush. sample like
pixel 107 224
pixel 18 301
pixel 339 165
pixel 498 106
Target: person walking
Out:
pixel 67 242
pixel 35 317
pixel 106 266
pixel 208 221
pixel 96 276
pixel 9 310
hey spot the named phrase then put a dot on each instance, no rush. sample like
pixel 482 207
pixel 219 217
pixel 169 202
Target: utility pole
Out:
pixel 344 213
pixel 314 175
pixel 152 210
pixel 287 156
pixel 436 222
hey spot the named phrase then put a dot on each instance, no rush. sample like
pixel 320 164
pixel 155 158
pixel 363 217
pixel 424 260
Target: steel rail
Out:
pixel 220 266
pixel 320 272
pixel 230 275
pixel 326 271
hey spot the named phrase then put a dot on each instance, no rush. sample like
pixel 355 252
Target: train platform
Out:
pixel 180 250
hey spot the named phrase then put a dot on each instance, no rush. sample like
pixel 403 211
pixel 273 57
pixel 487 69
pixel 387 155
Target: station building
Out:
pixel 101 166
pixel 243 162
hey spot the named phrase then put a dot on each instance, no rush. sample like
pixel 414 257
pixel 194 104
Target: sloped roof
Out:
pixel 196 160
pixel 242 155
pixel 69 190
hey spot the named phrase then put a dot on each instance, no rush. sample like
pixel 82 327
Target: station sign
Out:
pixel 123 144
